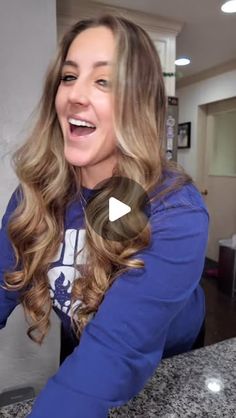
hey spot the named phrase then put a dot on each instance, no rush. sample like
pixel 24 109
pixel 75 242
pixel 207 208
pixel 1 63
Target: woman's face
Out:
pixel 84 102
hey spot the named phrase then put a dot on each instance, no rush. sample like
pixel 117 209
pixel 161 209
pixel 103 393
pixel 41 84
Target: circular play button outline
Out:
pixel 118 209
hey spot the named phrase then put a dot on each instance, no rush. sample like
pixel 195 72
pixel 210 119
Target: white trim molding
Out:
pixel 209 73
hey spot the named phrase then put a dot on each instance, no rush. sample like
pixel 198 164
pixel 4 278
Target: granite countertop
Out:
pixel 182 386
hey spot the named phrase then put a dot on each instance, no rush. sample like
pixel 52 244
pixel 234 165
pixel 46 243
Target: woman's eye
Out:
pixel 66 78
pixel 102 82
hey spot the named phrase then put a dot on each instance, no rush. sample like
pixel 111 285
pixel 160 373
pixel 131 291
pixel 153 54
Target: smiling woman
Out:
pixel 124 305
pixel 84 105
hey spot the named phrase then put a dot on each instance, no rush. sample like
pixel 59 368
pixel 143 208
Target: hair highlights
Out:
pixel 48 182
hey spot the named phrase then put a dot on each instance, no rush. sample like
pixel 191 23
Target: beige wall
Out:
pixel 215 88
pixel 222 190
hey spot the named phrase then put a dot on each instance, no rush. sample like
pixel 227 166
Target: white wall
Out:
pixel 190 97
pixel 27 42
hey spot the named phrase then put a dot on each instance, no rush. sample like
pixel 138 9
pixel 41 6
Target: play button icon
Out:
pixel 118 209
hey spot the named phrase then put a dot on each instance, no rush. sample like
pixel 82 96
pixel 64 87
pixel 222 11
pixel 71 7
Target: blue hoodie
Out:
pixel 147 314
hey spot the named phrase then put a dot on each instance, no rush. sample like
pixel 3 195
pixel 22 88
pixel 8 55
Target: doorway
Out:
pixel 216 175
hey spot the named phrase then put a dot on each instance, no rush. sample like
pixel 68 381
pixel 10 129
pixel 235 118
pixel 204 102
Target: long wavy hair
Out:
pixel 47 182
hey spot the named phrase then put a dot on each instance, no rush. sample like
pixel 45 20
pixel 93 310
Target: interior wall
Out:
pixel 190 98
pixel 27 41
pixel 191 109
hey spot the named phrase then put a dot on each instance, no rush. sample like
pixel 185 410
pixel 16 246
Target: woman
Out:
pixel 132 302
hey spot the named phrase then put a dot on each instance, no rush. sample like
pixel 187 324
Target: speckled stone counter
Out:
pixel 201 383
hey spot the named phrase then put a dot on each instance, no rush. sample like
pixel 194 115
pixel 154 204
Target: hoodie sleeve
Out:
pixel 122 345
pixel 8 299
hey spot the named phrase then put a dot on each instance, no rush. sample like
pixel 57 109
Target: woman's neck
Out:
pixel 91 176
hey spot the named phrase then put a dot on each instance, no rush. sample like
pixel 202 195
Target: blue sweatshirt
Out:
pixel 146 315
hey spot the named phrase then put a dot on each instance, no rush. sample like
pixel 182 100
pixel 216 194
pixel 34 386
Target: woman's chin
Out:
pixel 75 157
pixel 71 159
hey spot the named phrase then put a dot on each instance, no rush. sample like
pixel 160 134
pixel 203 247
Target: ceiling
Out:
pixel 208 36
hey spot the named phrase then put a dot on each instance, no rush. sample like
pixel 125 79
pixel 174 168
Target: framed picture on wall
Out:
pixel 184 135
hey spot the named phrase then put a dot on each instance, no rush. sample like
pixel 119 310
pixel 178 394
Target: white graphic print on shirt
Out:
pixel 62 275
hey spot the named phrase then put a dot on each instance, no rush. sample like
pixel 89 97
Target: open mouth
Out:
pixel 81 127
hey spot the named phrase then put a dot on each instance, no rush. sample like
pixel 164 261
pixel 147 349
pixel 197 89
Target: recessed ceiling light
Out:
pixel 182 61
pixel 229 6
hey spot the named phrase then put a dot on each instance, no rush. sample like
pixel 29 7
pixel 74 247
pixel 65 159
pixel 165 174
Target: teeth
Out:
pixel 79 122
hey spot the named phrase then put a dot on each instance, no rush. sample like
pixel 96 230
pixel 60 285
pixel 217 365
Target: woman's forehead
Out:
pixel 93 45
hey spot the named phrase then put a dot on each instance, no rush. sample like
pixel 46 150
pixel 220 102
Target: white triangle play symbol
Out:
pixel 117 209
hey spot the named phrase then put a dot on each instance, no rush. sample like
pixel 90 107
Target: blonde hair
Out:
pixel 48 182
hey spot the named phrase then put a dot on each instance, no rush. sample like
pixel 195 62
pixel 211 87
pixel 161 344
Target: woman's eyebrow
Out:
pixel 95 64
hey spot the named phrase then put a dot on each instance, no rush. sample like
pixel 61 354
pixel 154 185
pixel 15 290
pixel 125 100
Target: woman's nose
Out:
pixel 79 94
